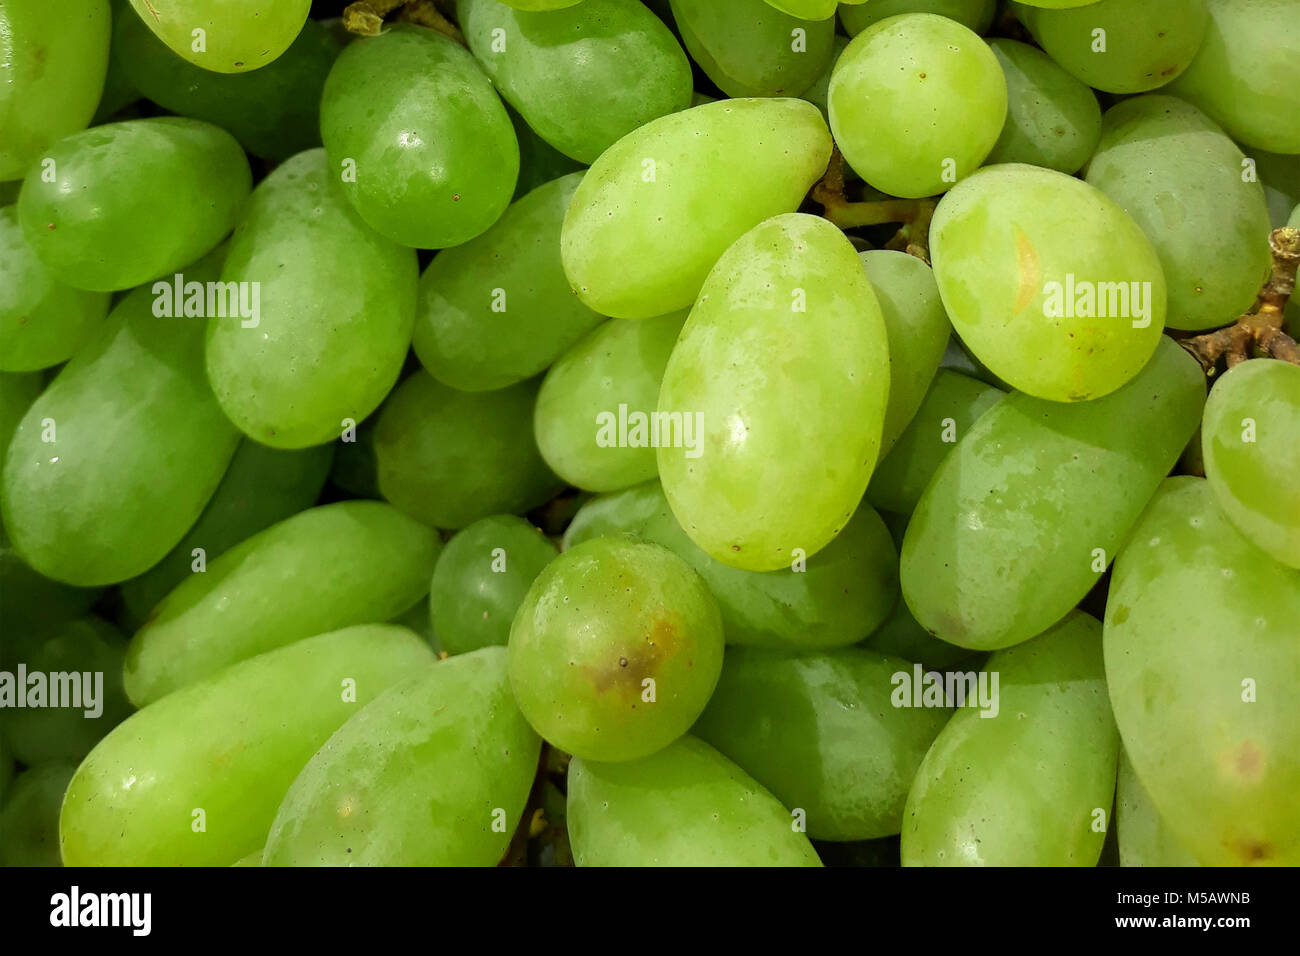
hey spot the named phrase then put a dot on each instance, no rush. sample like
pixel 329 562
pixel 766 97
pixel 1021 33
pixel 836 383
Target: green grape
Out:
pixel 1053 119
pixel 29 823
pixel 132 201
pixel 974 14
pixel 539 161
pixel 32 603
pixel 1202 666
pixel 749 48
pixel 1034 784
pixel 616 513
pixel 1244 75
pixel 498 309
pixel 952 405
pixel 1023 516
pixel 1144 838
pixel 119 92
pixel 89 647
pixel 659 207
pixel 449 458
pixel 229 746
pixel 354 469
pixel 901 636
pixel 1280 177
pixel 595 403
pixel 1120 46
pixel 413 127
pixel 1047 281
pixel 17 392
pixel 808 9
pixel 1180 178
pixel 819 732
pixel 686 805
pixel 253 859
pixel 916 103
pixel 273 112
pixel 116 459
pixel 225 36
pixel 6 769
pixel 540 4
pixel 260 487
pixel 916 328
pixel 1251 444
pixel 781 380
pixel 582 78
pixel 481 578
pixel 353 562
pixel 615 649
pixel 435 772
pixel 321 345
pixel 42 320
pixel 818 94
pixel 55 56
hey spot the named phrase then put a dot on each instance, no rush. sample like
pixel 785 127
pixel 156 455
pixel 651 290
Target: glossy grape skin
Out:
pixel 1053 119
pixel 498 309
pixel 1202 664
pixel 131 801
pixel 977 15
pixel 584 77
pixel 481 578
pixel 615 649
pixel 998 242
pixel 1029 495
pixel 17 392
pixel 334 566
pixel 922 80
pixel 686 805
pixel 1180 178
pixel 435 155
pixel 1144 838
pixel 747 47
pixel 329 342
pixel 42 320
pixel 55 54
pixel 239 35
pixel 1255 481
pixel 435 772
pixel 449 458
pixel 619 363
pixel 29 822
pixel 133 201
pixel 634 248
pixel 261 486
pixel 788 402
pixel 819 732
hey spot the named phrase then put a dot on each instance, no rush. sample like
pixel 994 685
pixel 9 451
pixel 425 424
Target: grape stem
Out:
pixel 366 17
pixel 914 214
pixel 1261 327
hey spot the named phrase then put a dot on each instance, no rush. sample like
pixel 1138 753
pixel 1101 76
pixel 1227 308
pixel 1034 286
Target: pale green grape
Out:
pixel 1053 119
pixel 435 772
pixel 1047 281
pixel 29 822
pixel 353 562
pixel 975 14
pixel 229 746
pixel 819 731
pixel 1021 519
pixel 818 94
pixel 1144 838
pixel 596 403
pixel 780 379
pixel 615 649
pixel 321 344
pixel 749 48
pixel 1202 666
pixel 1032 785
pixel 584 77
pixel 449 458
pixel 616 513
pixel 659 207
pixel 1180 178
pixel 1120 46
pixel 498 309
pixel 17 392
pixel 1251 443
pixel 481 578
pixel 132 201
pixel 225 36
pixel 686 805
pixel 916 103
pixel 421 143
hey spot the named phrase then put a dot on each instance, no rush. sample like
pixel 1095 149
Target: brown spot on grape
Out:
pixel 1254 851
pixel 1029 270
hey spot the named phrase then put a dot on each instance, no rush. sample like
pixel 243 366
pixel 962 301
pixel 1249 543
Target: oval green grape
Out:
pixel 1144 838
pixel 225 36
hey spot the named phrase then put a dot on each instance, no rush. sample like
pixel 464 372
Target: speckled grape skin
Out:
pixel 1001 545
pixel 132 799
pixel 634 248
pixel 1144 838
pixel 792 402
pixel 598 623
pixel 1195 611
pixel 240 35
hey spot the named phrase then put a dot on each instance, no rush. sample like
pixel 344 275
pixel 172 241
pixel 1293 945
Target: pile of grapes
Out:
pixel 719 432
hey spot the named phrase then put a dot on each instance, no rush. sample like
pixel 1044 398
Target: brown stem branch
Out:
pixel 914 214
pixel 366 17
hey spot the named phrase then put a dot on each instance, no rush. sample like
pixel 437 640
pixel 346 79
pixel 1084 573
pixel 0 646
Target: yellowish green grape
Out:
pixel 29 822
pixel 975 14
pixel 225 36
pixel 1144 838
